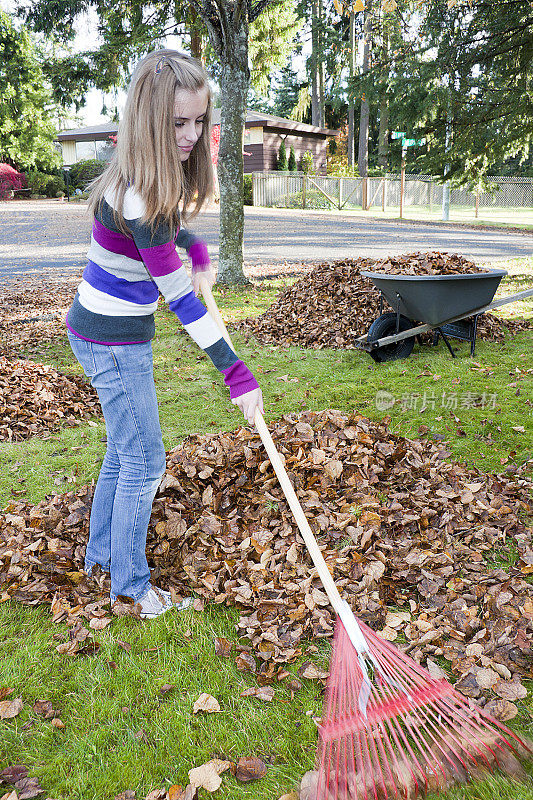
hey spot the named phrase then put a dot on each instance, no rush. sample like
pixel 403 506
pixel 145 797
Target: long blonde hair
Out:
pixel 147 156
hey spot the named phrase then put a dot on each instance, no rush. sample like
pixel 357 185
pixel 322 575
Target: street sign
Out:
pixel 412 142
pixel 397 134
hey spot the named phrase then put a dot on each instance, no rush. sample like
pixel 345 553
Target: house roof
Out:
pixel 90 132
pixel 260 119
pixel 254 119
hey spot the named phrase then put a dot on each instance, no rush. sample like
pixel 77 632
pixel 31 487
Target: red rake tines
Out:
pixel 390 730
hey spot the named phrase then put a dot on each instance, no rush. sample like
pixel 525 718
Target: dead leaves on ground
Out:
pixel 334 304
pixel 36 398
pixel 399 527
pixel 25 786
pixel 206 777
pixel 33 312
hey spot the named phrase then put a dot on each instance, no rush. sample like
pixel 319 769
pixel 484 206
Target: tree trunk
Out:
pixel 383 139
pixel 362 160
pixel 351 105
pixel 317 66
pixel 234 83
pixel 195 30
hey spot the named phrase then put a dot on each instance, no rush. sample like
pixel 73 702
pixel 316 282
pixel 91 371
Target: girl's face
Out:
pixel 189 113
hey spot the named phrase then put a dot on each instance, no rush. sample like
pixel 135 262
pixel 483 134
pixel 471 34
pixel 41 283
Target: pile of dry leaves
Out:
pixel 33 312
pixel 412 541
pixel 427 264
pixel 334 305
pixel 35 398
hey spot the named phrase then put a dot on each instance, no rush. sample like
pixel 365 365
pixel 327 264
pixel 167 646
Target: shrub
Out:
pixel 292 166
pixel 10 181
pixel 82 173
pixel 43 183
pixel 307 162
pixel 248 191
pixel 281 163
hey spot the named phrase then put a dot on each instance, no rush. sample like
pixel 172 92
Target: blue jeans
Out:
pixel 133 464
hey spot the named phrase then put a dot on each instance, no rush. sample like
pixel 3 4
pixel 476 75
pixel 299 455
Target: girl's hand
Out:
pixel 208 273
pixel 201 265
pixel 249 402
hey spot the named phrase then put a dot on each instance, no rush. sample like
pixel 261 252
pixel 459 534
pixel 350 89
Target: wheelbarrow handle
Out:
pixel 332 592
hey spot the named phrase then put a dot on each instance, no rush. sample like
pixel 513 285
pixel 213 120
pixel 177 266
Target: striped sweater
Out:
pixel 120 287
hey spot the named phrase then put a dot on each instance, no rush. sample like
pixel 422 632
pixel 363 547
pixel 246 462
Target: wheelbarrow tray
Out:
pixel 432 299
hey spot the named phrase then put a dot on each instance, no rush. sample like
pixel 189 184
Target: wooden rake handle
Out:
pixel 332 592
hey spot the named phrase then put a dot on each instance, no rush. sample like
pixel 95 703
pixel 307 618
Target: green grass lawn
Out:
pixel 120 732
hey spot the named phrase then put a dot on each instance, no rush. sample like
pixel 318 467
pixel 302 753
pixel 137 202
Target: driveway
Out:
pixel 47 234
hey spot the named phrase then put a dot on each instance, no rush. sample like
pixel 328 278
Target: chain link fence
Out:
pixel 510 199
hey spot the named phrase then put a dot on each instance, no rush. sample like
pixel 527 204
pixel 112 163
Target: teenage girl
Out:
pixel 162 164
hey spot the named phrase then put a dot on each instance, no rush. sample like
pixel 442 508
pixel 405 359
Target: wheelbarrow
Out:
pixel 448 305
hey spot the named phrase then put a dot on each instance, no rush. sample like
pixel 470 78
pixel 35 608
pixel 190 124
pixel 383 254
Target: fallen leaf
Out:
pixel 207 776
pixel 13 774
pixel 311 671
pixel 250 769
pixel 435 670
pixel 44 708
pixel 245 662
pixel 10 708
pixel 502 710
pixel 223 647
pixel 160 794
pixel 510 690
pixel 309 785
pixel 261 692
pixel 98 624
pixel 207 703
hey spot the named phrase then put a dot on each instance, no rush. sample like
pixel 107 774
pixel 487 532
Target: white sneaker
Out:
pixel 156 601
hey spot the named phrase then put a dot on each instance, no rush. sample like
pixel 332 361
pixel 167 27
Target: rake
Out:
pixel 388 729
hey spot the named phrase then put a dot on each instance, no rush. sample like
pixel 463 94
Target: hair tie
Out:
pixel 160 64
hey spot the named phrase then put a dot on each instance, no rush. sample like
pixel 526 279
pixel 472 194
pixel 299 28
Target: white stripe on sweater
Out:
pixel 101 303
pixel 121 266
pixel 204 331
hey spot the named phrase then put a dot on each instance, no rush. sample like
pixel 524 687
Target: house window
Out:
pixel 85 150
pixel 253 136
pixel 104 150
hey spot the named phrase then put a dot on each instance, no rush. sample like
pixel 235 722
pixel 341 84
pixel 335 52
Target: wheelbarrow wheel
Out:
pixel 386 326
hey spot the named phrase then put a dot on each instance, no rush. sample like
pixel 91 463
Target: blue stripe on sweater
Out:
pixel 141 292
pixel 188 308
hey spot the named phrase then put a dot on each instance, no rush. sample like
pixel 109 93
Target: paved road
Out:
pixel 47 234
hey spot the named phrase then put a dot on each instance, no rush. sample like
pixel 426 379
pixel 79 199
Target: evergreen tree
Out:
pixel 281 163
pixel 27 124
pixel 292 165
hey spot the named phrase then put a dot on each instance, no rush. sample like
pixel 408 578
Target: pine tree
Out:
pixel 281 163
pixel 292 165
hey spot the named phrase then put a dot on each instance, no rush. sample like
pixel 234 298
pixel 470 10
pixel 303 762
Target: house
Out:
pixel 263 135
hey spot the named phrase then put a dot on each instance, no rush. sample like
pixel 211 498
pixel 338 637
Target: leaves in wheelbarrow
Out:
pixel 334 304
pixel 412 541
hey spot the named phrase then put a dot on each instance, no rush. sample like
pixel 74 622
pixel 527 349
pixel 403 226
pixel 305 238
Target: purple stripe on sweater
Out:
pixel 95 341
pixel 140 292
pixel 188 308
pixel 239 379
pixel 115 242
pixel 161 259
